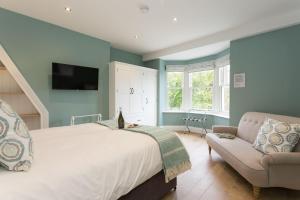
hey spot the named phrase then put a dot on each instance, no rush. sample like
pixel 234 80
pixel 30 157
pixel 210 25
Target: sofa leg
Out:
pixel 209 150
pixel 256 192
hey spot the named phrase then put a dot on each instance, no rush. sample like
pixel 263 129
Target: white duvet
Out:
pixel 83 162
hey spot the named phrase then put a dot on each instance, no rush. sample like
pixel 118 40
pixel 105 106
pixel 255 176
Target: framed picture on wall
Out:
pixel 239 80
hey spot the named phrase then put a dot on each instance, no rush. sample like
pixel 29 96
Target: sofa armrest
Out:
pixel 283 169
pixel 290 158
pixel 224 129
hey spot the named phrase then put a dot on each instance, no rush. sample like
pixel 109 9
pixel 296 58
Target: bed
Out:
pixel 88 161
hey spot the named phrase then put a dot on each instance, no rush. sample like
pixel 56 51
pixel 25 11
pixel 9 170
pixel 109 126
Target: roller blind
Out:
pixel 202 66
pixel 175 68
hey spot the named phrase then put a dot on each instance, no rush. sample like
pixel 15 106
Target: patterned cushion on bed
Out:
pixel 15 142
pixel 276 136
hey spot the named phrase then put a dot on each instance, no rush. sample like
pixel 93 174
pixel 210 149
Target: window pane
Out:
pixel 175 98
pixel 202 89
pixel 203 78
pixel 202 98
pixel 225 98
pixel 175 84
pixel 175 79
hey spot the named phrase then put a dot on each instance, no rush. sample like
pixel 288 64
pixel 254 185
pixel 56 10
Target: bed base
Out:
pixel 153 189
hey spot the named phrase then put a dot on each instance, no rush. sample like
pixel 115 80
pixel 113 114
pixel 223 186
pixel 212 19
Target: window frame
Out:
pixel 224 84
pixel 222 99
pixel 191 89
pixel 187 90
pixel 167 92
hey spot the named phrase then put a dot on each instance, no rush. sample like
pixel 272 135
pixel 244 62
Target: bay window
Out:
pixel 201 86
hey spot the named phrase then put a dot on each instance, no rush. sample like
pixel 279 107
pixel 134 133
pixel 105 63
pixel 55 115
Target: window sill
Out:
pixel 213 113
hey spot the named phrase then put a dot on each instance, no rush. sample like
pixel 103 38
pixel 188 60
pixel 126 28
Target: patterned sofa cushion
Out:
pixel 15 142
pixel 277 136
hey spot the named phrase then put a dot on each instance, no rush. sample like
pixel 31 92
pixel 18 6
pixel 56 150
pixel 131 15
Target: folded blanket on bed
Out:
pixel 174 155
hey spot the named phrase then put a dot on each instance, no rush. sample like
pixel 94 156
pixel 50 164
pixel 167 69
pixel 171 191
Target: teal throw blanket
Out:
pixel 174 155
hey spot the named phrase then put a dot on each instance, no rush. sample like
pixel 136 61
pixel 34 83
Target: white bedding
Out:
pixel 83 162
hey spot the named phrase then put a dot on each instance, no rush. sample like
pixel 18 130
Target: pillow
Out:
pixel 277 136
pixel 15 142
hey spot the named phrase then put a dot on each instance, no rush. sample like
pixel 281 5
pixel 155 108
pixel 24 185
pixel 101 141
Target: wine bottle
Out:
pixel 121 122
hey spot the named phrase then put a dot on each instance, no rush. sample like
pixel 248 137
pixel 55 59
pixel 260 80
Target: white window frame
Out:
pixel 222 84
pixel 190 89
pixel 175 68
pixel 187 90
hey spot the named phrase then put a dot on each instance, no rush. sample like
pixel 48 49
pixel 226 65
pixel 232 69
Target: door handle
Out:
pixel 147 100
pixel 132 91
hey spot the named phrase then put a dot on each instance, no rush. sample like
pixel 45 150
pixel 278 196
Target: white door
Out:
pixel 129 93
pixel 136 105
pixel 136 94
pixel 150 97
pixel 123 90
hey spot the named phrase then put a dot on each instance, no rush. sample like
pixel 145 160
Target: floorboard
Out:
pixel 211 178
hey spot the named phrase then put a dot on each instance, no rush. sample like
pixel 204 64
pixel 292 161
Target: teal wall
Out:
pixel 271 62
pixel 176 119
pixel 221 121
pixel 33 45
pixel 222 53
pixel 124 56
pixel 203 59
pixel 176 62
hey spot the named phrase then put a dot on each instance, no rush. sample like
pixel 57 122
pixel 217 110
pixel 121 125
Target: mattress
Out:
pixel 83 162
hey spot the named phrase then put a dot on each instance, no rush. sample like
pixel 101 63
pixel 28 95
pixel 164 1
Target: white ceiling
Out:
pixel 118 21
pixel 198 52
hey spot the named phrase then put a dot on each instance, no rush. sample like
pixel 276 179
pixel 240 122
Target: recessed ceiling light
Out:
pixel 175 19
pixel 68 9
pixel 136 37
pixel 144 9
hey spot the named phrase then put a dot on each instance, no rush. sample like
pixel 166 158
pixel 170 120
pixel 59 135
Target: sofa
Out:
pixel 261 170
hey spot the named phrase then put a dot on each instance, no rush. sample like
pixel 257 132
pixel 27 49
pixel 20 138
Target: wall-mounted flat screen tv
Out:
pixel 72 77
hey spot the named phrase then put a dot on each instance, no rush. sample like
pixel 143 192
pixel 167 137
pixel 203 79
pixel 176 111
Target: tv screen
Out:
pixel 71 77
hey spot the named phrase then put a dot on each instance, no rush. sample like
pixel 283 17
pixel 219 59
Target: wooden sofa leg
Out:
pixel 209 150
pixel 256 192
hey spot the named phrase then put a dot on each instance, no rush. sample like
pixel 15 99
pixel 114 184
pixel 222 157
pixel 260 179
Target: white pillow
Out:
pixel 277 136
pixel 15 142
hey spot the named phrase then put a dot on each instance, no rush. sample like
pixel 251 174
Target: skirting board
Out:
pixel 183 128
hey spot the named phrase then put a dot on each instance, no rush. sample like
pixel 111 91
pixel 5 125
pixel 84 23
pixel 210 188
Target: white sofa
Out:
pixel 261 170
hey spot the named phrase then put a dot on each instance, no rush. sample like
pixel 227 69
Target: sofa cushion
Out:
pixel 276 136
pixel 242 157
pixel 251 122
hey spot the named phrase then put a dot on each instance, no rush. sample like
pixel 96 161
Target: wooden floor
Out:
pixel 212 179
